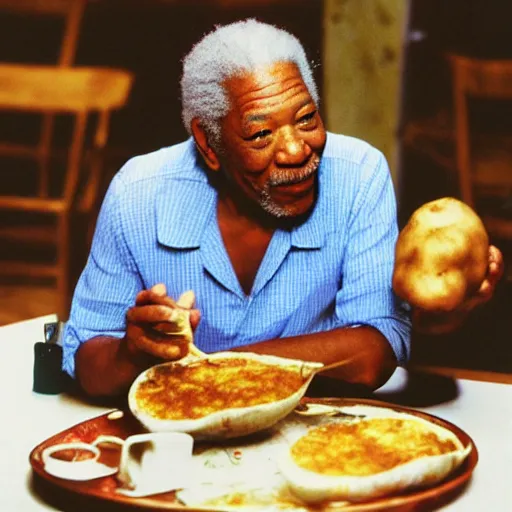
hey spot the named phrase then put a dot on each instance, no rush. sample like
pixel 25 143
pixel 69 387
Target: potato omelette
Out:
pixel 368 446
pixel 176 392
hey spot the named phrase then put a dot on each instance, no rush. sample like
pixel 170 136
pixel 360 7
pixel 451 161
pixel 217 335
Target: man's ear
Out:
pixel 201 139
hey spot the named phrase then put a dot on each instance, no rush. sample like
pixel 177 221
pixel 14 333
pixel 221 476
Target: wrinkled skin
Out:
pixel 273 138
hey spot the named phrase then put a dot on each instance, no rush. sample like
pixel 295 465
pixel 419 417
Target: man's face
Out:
pixel 272 140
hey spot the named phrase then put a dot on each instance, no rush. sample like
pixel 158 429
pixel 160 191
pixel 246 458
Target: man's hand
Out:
pixel 495 271
pixel 159 326
pixel 440 323
pixel 107 366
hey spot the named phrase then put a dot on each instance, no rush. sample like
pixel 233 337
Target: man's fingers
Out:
pixel 485 289
pixel 159 289
pixel 163 300
pixel 494 274
pixel 146 297
pixel 146 339
pixel 166 328
pixel 162 349
pixel 152 298
pixel 195 316
pixel 151 314
pixel 496 265
pixel 141 298
pixel 157 295
pixel 186 300
pixel 495 254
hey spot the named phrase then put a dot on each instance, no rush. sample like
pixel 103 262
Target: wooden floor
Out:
pixel 21 302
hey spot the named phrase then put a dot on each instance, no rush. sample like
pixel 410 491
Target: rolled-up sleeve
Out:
pixel 108 284
pixel 366 296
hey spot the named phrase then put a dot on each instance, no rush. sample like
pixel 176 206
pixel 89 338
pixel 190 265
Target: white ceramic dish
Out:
pixel 228 422
pixel 312 487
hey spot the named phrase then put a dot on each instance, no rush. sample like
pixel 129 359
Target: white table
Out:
pixel 482 409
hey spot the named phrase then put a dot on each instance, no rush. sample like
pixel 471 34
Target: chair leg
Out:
pixel 44 154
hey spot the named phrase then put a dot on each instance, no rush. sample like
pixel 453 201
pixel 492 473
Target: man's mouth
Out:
pixel 296 189
pixel 295 180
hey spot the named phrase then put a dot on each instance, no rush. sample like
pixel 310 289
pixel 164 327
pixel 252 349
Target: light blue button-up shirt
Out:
pixel 158 224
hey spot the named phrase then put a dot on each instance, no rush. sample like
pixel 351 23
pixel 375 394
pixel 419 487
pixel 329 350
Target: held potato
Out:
pixel 441 256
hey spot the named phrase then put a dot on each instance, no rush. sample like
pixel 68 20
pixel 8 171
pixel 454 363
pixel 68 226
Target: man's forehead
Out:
pixel 267 89
pixel 264 79
pixel 262 116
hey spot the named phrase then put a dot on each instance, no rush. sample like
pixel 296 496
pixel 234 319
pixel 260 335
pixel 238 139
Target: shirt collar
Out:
pixel 185 206
pixel 311 234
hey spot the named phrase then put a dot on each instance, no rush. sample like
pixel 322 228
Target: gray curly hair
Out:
pixel 228 51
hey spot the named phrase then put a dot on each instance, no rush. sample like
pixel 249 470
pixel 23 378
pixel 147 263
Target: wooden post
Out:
pixel 362 62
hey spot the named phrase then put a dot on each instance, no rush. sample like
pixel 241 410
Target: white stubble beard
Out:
pixel 284 177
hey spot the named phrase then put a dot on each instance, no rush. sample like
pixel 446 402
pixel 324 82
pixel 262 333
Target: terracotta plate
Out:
pixel 102 490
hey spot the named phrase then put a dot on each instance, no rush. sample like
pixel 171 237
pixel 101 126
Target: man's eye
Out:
pixel 307 117
pixel 259 135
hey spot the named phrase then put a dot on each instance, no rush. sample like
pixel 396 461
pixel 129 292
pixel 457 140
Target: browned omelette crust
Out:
pixel 367 447
pixel 190 392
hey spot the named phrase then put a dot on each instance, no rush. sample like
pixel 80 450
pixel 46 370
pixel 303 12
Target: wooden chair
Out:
pixel 483 159
pixel 84 95
pixel 71 13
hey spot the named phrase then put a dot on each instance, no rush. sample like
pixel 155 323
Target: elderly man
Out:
pixel 285 233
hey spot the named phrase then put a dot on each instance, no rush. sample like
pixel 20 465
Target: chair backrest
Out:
pixel 474 78
pixel 42 88
pixel 75 91
pixel 71 12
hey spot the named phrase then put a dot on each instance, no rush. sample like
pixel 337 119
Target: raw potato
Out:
pixel 441 256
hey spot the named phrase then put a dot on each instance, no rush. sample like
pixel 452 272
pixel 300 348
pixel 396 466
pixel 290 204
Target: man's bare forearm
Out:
pixel 368 356
pixel 105 367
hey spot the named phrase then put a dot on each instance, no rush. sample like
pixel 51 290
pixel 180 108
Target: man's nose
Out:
pixel 292 149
